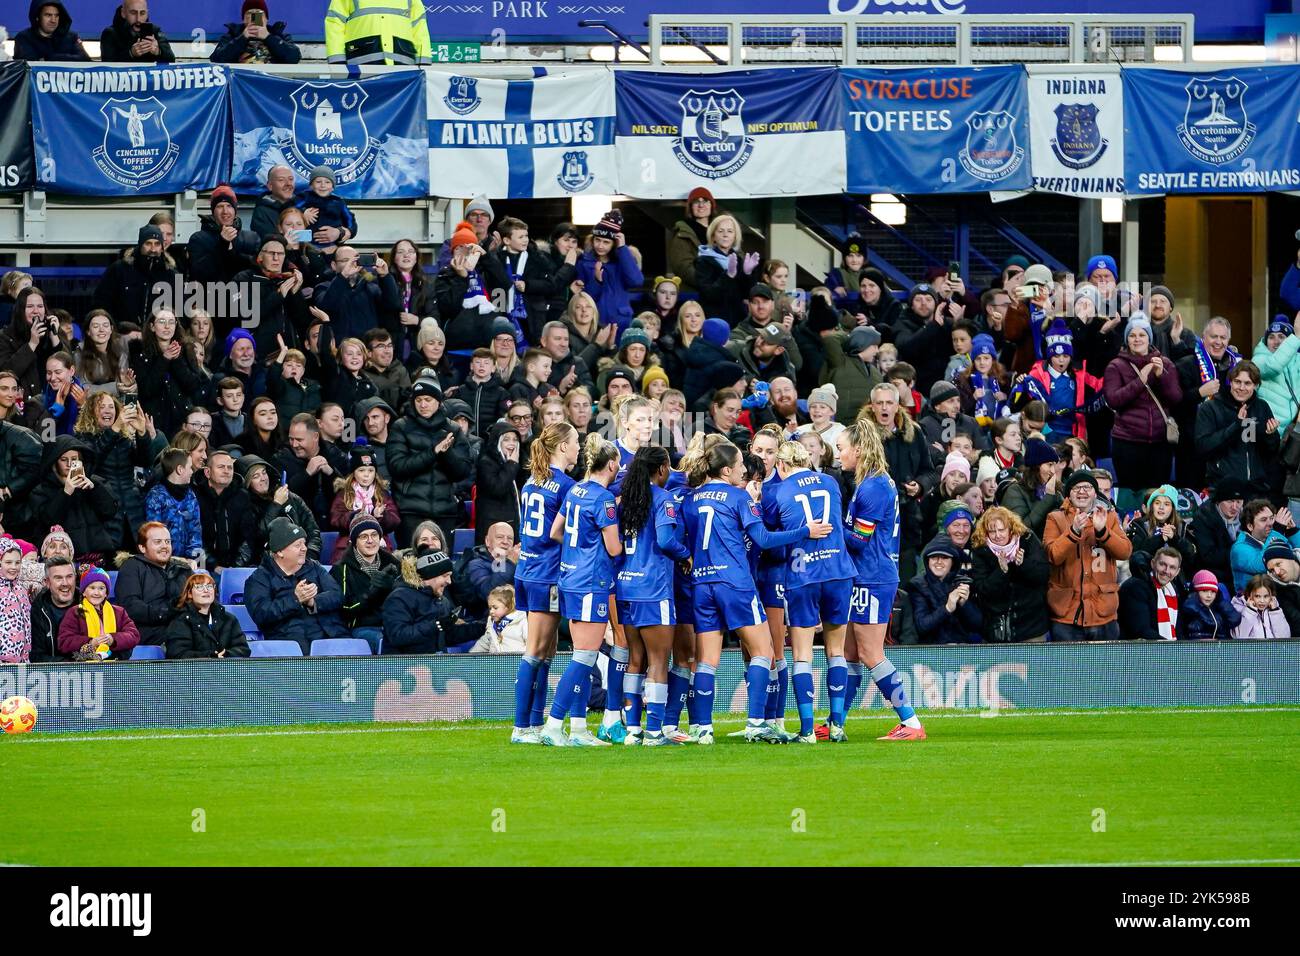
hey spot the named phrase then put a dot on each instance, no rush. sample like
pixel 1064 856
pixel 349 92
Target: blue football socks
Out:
pixel 804 695
pixel 837 680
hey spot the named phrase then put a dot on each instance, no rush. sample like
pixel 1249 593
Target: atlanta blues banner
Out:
pixel 106 131
pixel 743 133
pixel 17 171
pixel 521 139
pixel 1222 131
pixel 370 132
pixel 939 130
pixel 1076 132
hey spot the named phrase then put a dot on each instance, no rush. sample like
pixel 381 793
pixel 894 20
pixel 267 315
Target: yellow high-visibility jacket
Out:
pixel 377 31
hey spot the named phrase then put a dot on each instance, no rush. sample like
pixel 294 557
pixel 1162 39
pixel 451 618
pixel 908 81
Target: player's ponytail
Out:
pixel 695 463
pixel 598 453
pixel 872 460
pixel 545 446
pixel 637 498
pixel 720 456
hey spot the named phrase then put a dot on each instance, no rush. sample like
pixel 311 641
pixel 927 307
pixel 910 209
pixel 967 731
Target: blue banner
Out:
pixel 522 20
pixel 370 132
pixel 940 130
pixel 744 133
pixel 1223 131
pixel 106 131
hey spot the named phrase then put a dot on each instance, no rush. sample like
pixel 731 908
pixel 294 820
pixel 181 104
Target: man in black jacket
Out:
pixel 252 41
pixel 59 595
pixel 354 299
pixel 1237 434
pixel 126 290
pixel 132 38
pixel 278 302
pixel 1139 617
pixel 225 509
pixel 50 36
pixel 279 196
pixel 943 418
pixel 149 583
pixel 1284 569
pixel 311 476
pixel 1190 463
pixel 427 455
pixel 566 370
pixel 222 247
pixel 924 334
pixel 1215 526
pixel 20 469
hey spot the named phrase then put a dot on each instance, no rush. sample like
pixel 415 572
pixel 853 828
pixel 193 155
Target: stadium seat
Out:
pixel 461 648
pixel 112 582
pixel 148 652
pixel 340 647
pixel 461 539
pixel 328 539
pixel 246 624
pixel 275 649
pixel 232 584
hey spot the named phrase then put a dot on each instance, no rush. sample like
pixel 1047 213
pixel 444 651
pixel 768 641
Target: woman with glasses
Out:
pixel 164 366
pixel 204 628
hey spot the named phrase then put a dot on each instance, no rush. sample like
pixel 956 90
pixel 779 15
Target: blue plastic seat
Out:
pixel 461 539
pixel 148 652
pixel 461 648
pixel 275 649
pixel 233 581
pixel 328 539
pixel 112 582
pixel 340 647
pixel 246 622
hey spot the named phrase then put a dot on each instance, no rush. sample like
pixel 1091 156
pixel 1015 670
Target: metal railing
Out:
pixel 920 39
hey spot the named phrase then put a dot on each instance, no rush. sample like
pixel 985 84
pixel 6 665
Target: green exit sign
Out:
pixel 456 53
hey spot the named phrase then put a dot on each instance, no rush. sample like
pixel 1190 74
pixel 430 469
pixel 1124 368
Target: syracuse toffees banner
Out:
pixel 370 132
pixel 1076 131
pixel 17 169
pixel 936 130
pixel 108 131
pixel 1230 130
pixel 550 136
pixel 744 133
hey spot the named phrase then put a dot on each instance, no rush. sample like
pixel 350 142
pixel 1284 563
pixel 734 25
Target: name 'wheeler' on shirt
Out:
pixel 585 564
pixel 721 520
pixel 539 503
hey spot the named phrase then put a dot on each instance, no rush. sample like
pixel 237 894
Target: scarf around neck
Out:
pixel 96 626
pixel 1166 612
pixel 1007 552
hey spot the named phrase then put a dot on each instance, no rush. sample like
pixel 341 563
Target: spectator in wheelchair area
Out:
pixel 417 612
pixel 290 596
pixel 150 583
pixel 203 628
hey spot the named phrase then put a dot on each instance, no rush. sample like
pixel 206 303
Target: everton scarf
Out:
pixel 987 407
pixel 1205 365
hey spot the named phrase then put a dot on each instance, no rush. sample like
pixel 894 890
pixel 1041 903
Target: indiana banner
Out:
pixel 937 130
pixel 1220 131
pixel 17 169
pixel 370 132
pixel 1076 131
pixel 106 131
pixel 547 137
pixel 747 133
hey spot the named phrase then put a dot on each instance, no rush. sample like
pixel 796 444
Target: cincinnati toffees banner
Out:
pixel 933 130
pixel 550 136
pixel 369 132
pixel 746 133
pixel 1231 130
pixel 106 131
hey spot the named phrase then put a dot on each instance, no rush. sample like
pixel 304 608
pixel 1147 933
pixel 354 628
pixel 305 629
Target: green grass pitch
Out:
pixel 1167 786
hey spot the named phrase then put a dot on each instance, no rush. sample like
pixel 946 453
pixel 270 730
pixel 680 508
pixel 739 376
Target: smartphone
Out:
pixel 76 469
pixel 954 271
pixel 284 478
pixel 258 18
pixel 131 400
pixel 301 235
pixel 367 260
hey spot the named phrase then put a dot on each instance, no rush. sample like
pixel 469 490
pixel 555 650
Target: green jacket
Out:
pixel 1277 370
pixel 853 379
pixel 682 248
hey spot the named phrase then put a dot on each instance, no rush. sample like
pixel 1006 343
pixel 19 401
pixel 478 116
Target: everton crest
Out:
pixel 462 95
pixel 991 152
pixel 329 129
pixel 713 143
pixel 1078 143
pixel 575 174
pixel 137 150
pixel 1215 128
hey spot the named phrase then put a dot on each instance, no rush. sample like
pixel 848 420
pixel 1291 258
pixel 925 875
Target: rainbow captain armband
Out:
pixel 862 528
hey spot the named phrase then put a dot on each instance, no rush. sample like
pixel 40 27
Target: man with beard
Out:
pixel 130 286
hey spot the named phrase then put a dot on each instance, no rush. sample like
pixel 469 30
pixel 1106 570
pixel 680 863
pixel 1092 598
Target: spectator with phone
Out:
pixel 466 291
pixel 941 598
pixel 69 495
pixel 1085 543
pixel 119 434
pixel 132 38
pixel 924 334
pixel 253 41
pixel 30 338
pixel 354 300
pixel 327 215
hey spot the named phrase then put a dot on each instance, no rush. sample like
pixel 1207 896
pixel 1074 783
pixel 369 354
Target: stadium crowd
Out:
pixel 371 406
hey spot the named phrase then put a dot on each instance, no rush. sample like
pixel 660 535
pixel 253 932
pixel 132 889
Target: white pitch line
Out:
pixel 445 726
pixel 1168 863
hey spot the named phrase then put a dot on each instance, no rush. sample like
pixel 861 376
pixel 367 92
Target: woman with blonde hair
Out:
pixel 674 346
pixel 589 341
pixel 121 438
pixel 723 276
pixel 1009 574
pixel 873 539
pixel 553 454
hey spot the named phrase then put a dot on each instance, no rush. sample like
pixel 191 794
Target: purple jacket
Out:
pixel 1136 417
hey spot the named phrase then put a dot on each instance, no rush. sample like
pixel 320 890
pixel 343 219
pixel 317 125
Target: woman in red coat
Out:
pixel 96 624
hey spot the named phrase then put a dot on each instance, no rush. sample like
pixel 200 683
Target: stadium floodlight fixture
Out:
pixel 1112 209
pixel 587 210
pixel 887 208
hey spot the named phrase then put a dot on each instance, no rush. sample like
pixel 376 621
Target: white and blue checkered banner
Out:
pixel 1227 131
pixel 105 131
pixel 748 133
pixel 937 130
pixel 551 136
pixel 370 132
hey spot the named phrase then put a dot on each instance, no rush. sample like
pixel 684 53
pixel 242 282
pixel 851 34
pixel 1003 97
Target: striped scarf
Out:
pixel 1167 612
